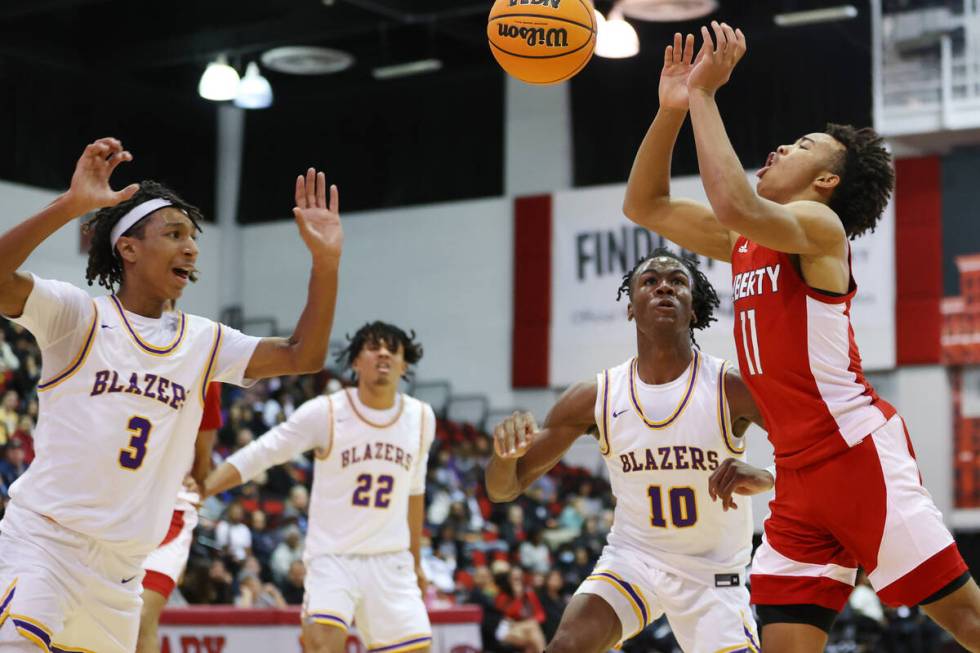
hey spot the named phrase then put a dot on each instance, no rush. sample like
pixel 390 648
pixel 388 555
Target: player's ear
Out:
pixel 126 247
pixel 827 180
pixel 629 312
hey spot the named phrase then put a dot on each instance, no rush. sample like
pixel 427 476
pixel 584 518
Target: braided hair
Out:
pixel 104 264
pixel 704 299
pixel 378 331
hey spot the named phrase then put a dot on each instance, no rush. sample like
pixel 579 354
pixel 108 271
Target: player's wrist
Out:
pixel 701 93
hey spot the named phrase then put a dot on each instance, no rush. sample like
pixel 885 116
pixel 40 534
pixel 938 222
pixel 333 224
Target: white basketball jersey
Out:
pixel 661 444
pixel 364 476
pixel 116 428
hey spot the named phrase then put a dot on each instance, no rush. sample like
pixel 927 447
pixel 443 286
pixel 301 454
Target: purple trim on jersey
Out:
pixel 330 617
pixel 754 644
pixel 605 409
pixel 629 589
pixel 78 361
pixel 7 599
pixel 696 364
pixel 37 631
pixel 207 372
pixel 159 351
pixel 408 642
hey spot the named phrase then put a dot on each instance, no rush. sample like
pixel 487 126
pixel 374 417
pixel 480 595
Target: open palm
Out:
pixel 673 77
pixel 319 223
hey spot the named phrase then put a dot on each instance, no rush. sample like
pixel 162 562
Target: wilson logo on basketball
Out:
pixel 534 36
pixel 554 3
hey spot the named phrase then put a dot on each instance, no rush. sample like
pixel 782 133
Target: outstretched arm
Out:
pixel 801 227
pixel 89 191
pixel 307 428
pixel 648 203
pixel 319 225
pixel 522 453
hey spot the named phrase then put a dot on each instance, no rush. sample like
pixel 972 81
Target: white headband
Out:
pixel 134 215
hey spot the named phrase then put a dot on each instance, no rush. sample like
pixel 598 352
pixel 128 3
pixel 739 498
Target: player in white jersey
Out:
pixel 121 396
pixel 164 566
pixel 669 423
pixel 368 501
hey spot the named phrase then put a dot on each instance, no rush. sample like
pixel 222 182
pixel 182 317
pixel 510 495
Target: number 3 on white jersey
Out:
pixel 750 336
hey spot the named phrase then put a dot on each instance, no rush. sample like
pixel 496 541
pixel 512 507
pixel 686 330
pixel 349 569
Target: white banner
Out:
pixel 282 638
pixel 594 245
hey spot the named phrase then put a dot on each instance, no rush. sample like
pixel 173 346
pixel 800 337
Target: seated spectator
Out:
pixel 264 541
pixel 24 435
pixel 297 507
pixel 288 551
pixel 219 590
pixel 252 593
pixel 8 410
pixel 534 553
pixel 292 586
pixel 232 536
pixel 553 602
pixel 522 613
pixel 13 463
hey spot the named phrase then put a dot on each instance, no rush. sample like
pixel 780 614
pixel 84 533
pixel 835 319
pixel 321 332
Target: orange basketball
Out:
pixel 542 41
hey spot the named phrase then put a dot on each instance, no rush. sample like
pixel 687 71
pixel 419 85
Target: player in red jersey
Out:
pixel 848 490
pixel 165 565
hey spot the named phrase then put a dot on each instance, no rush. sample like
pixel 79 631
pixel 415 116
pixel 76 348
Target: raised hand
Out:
pixel 735 477
pixel 673 77
pixel 319 224
pixel 513 436
pixel 90 189
pixel 717 59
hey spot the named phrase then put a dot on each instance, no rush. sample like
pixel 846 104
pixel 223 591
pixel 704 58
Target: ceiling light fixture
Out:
pixel 405 69
pixel 617 39
pixel 813 16
pixel 667 11
pixel 219 81
pixel 254 91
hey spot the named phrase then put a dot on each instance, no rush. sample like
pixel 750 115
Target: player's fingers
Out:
pixel 334 199
pixel 112 143
pixel 714 479
pixel 707 46
pixel 721 43
pixel 126 193
pixel 310 187
pixel 498 440
pixel 321 190
pixel 116 159
pixel 733 46
pixel 668 55
pixel 688 49
pixel 300 193
pixel 510 432
pixel 678 48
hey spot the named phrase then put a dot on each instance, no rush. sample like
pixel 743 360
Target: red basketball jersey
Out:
pixel 797 353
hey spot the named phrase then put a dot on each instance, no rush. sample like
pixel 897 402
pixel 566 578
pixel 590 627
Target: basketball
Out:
pixel 542 41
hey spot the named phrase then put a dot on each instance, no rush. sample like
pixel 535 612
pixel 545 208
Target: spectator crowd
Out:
pixel 518 561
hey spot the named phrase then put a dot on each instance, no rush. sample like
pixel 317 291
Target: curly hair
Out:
pixel 867 178
pixel 704 299
pixel 104 265
pixel 377 332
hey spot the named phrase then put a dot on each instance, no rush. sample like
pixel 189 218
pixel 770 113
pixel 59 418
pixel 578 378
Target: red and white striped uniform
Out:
pixel 848 490
pixel 797 353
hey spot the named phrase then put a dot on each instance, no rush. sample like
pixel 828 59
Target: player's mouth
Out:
pixel 770 162
pixel 666 306
pixel 184 274
pixel 383 368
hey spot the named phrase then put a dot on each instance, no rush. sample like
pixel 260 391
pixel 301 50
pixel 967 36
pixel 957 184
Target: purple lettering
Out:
pixel 162 391
pixel 679 459
pixel 101 378
pixel 148 390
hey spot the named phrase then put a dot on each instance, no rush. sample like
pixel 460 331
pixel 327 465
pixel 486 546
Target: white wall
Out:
pixel 444 270
pixel 59 258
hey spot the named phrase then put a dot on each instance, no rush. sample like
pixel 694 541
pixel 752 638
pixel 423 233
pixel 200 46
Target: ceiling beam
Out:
pixel 294 29
pixel 415 18
pixel 19 8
